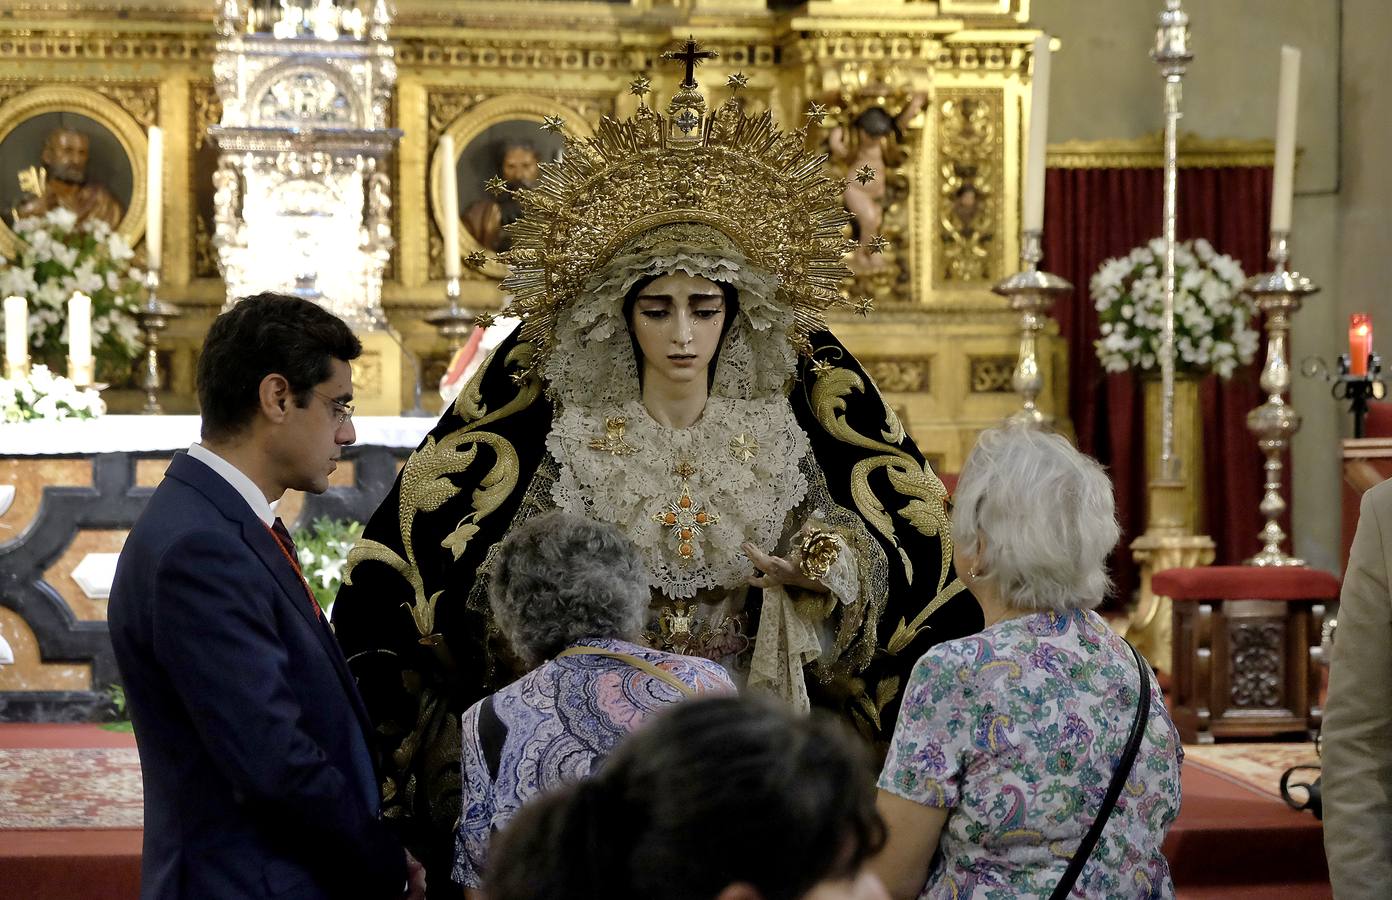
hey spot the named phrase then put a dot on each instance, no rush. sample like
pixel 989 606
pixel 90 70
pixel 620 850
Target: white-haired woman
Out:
pixel 570 595
pixel 1005 757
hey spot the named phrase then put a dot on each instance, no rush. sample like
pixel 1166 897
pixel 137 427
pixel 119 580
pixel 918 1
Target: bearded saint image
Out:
pixel 64 158
pixel 486 218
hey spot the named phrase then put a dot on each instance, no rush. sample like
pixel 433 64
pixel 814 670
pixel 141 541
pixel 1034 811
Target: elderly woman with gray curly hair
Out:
pixel 570 595
pixel 1035 758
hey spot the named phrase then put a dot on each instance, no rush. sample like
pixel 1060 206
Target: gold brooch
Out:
pixel 679 629
pixel 684 517
pixel 744 447
pixel 818 551
pixel 613 440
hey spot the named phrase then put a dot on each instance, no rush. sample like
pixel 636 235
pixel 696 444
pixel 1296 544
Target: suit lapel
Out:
pixel 264 544
pixel 268 549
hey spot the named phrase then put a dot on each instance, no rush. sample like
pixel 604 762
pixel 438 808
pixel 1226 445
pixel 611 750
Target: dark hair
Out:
pixel 264 334
pixel 728 292
pixel 877 122
pixel 711 792
pixel 500 150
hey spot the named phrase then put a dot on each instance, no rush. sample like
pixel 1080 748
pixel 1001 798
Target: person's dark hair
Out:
pixel 728 291
pixel 877 122
pixel 500 150
pixel 264 334
pixel 711 792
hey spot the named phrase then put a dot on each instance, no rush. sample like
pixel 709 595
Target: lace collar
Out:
pixel 687 497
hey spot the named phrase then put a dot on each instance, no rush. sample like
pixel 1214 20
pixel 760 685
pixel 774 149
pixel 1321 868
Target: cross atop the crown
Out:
pixel 692 56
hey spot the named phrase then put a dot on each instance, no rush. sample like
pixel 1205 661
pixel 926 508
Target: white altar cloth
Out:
pixel 156 434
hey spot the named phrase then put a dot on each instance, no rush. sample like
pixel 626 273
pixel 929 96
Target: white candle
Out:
pixel 1033 213
pixel 449 206
pixel 79 329
pixel 1283 176
pixel 154 199
pixel 16 333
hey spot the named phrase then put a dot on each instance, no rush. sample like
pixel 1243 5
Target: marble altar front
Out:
pixel 69 493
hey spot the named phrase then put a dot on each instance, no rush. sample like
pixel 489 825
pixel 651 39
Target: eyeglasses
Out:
pixel 342 411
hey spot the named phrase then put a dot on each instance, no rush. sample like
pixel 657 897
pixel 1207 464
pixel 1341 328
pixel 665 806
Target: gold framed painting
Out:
pixel 72 147
pixel 500 137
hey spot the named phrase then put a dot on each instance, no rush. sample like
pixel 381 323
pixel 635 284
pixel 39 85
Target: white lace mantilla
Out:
pixel 742 456
pixel 594 365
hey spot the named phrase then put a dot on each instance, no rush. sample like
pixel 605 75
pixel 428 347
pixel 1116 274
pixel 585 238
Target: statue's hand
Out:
pixel 778 570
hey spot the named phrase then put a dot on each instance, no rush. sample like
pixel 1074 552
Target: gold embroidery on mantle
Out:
pixel 926 497
pixel 426 486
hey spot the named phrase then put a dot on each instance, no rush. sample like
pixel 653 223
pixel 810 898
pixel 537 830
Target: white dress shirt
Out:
pixel 239 481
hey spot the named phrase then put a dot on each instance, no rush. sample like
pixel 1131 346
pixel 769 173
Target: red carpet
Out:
pixel 1232 841
pixel 71 855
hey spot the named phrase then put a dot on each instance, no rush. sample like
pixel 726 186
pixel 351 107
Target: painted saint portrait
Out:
pixel 67 160
pixel 513 151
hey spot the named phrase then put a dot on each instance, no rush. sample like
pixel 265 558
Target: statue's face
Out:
pixel 678 320
pixel 65 155
pixel 520 166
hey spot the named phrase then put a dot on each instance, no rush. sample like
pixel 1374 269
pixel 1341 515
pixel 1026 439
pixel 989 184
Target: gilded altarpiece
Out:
pixel 949 80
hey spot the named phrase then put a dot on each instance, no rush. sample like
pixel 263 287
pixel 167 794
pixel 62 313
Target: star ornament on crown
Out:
pixel 759 186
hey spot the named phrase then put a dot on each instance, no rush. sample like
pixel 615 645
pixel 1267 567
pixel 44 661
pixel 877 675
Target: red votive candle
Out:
pixel 1360 343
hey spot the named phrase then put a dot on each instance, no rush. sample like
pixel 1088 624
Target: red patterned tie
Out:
pixel 287 546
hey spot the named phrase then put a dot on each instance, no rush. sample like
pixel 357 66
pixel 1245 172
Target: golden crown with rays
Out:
pixel 759 186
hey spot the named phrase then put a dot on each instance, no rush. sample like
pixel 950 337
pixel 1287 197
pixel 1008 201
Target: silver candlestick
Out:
pixel 153 317
pixel 453 321
pixel 1172 54
pixel 1031 293
pixel 1278 294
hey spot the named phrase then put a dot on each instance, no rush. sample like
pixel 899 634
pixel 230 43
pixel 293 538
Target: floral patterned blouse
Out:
pixel 552 726
pixel 1017 730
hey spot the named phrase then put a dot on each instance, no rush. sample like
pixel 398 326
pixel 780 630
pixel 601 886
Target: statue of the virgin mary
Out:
pixel 672 374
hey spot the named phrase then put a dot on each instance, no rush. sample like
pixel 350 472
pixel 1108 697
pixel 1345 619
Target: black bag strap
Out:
pixel 492 734
pixel 1123 769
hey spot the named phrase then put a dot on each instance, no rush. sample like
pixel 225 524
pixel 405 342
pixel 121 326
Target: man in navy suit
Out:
pixel 259 778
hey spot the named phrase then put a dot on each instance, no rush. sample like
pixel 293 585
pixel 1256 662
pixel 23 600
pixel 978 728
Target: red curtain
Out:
pixel 1094 214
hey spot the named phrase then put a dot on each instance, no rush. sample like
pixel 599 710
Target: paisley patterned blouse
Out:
pixel 551 726
pixel 1017 730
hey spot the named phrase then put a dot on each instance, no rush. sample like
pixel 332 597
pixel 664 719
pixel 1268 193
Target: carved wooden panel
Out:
pixel 992 374
pixel 1257 663
pixel 971 181
pixel 900 374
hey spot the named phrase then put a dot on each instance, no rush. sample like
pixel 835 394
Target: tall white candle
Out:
pixel 1286 106
pixel 16 333
pixel 154 200
pixel 449 206
pixel 1033 214
pixel 80 329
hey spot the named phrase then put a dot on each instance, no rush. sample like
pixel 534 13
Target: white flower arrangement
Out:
pixel 43 395
pixel 1212 323
pixel 58 257
pixel 323 549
